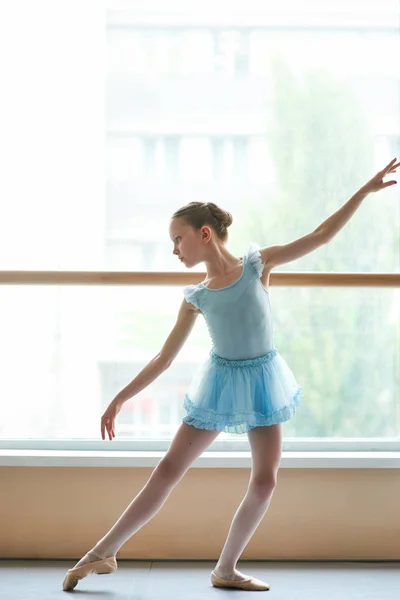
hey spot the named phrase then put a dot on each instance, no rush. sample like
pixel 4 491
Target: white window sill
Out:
pixel 235 460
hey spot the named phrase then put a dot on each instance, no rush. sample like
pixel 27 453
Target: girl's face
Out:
pixel 189 243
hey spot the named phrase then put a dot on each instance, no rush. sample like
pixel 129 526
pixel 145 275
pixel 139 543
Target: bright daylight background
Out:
pixel 113 117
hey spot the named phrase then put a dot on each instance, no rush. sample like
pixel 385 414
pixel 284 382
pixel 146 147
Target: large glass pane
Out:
pixel 313 95
pixel 66 352
pixel 313 92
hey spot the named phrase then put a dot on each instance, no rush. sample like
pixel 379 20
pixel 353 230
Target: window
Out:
pixel 171 154
pixel 240 157
pixel 231 52
pixel 230 158
pixel 267 119
pixel 125 158
pixel 197 57
pixel 222 158
pixel 161 156
pixel 196 160
pixel 150 148
pixel 81 345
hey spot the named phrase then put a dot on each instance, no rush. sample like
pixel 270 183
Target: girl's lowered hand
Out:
pixel 108 419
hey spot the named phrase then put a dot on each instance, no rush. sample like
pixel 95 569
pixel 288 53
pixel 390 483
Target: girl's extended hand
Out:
pixel 376 183
pixel 108 419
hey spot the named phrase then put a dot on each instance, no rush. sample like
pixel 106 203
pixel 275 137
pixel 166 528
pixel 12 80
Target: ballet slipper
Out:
pixel 249 584
pixel 100 567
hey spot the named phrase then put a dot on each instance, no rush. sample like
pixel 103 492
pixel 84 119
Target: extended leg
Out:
pixel 186 446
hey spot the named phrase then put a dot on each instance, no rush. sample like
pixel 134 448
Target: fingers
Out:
pixel 391 165
pixel 108 420
pixel 107 425
pixel 110 428
pixel 391 168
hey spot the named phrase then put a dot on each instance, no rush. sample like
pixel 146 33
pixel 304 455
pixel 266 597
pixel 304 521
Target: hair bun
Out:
pixel 197 214
pixel 223 216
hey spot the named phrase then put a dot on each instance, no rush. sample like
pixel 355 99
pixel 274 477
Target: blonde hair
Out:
pixel 198 214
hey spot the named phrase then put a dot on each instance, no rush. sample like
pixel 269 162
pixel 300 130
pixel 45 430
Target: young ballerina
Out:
pixel 245 386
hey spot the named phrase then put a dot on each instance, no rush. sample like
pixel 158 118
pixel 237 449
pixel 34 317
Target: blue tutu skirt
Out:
pixel 237 395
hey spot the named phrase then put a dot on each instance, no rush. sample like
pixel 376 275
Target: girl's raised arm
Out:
pixel 273 256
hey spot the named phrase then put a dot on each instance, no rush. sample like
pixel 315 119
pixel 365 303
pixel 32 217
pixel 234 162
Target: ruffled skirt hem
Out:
pixel 234 423
pixel 237 396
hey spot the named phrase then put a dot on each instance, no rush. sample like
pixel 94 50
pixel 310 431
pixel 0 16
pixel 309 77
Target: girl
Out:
pixel 244 386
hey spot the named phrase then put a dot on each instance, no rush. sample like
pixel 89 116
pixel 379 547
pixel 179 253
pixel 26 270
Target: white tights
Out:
pixel 189 443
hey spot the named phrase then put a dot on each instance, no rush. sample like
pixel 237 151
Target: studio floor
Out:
pixel 190 580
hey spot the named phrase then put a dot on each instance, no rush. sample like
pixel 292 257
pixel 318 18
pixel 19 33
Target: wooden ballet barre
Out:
pixel 149 278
